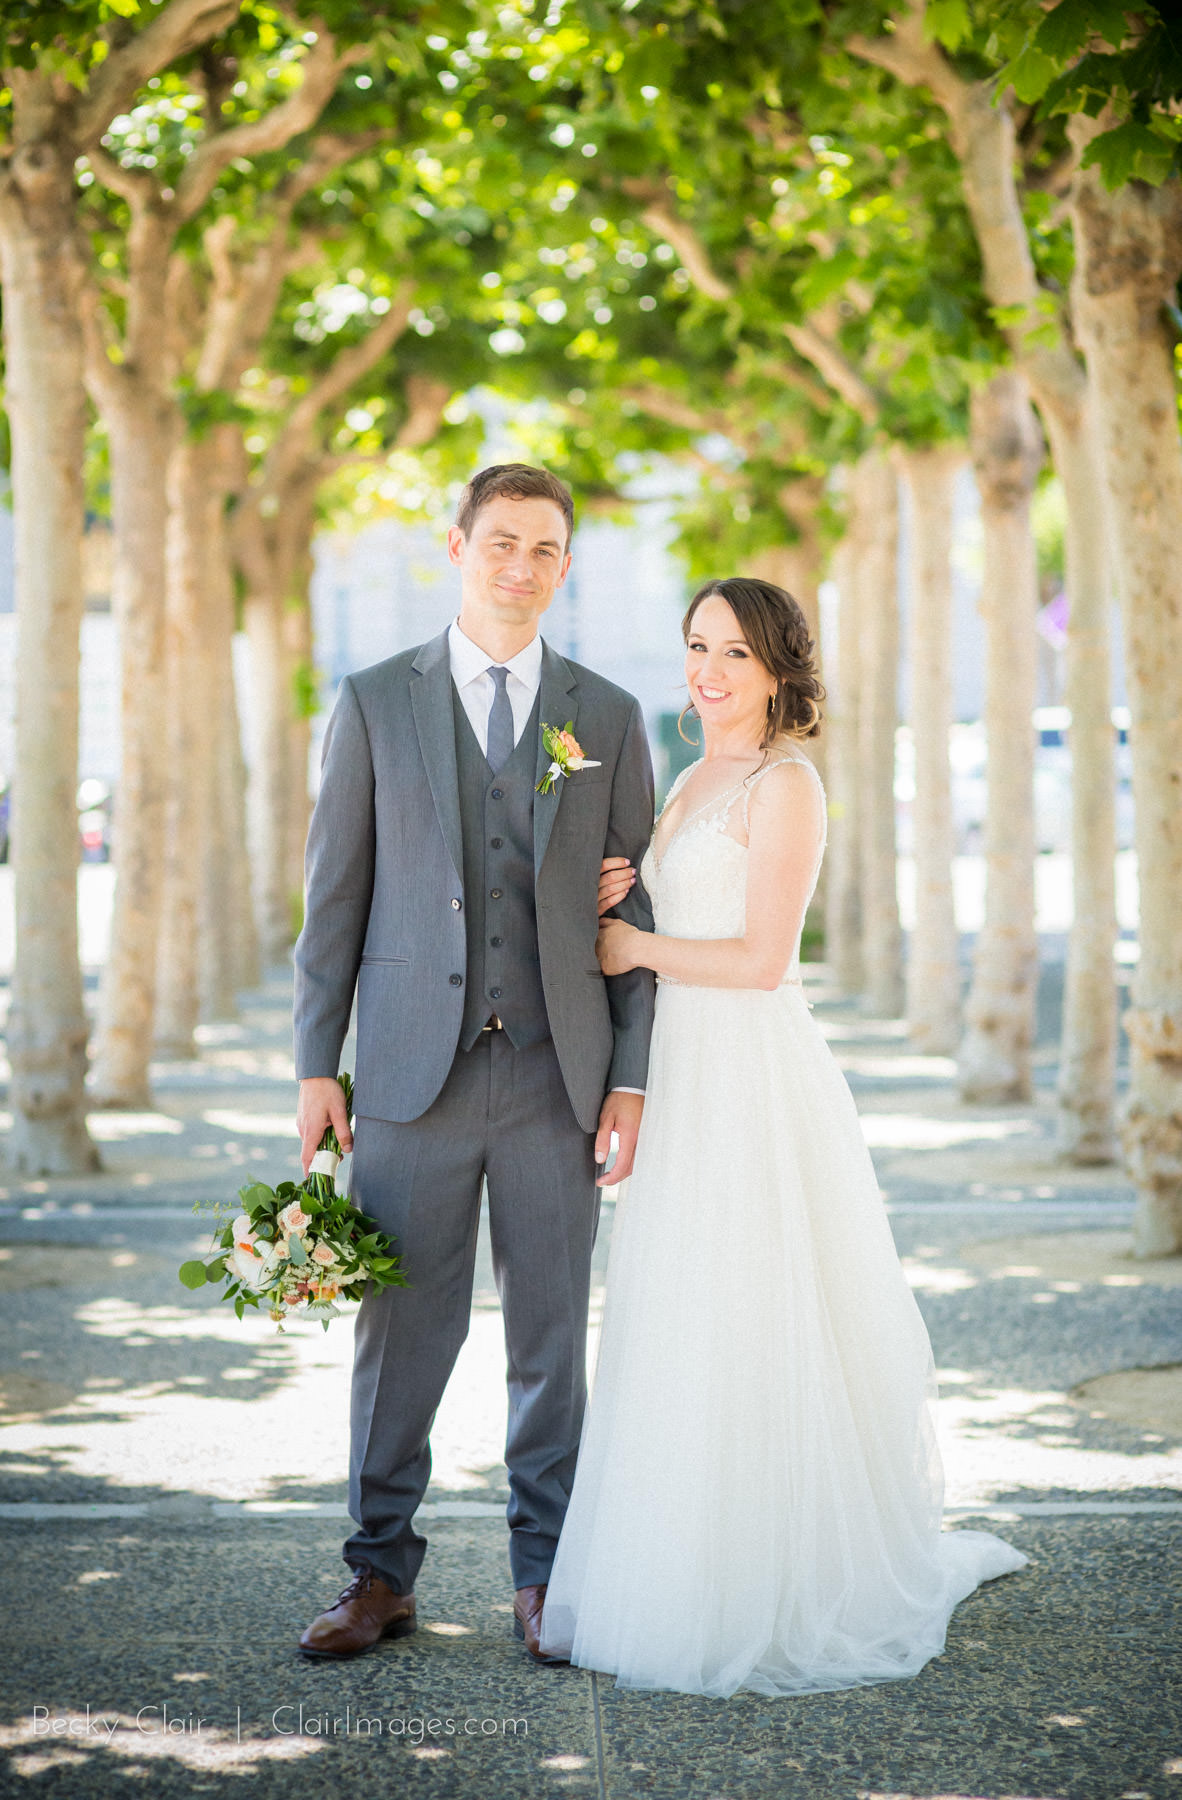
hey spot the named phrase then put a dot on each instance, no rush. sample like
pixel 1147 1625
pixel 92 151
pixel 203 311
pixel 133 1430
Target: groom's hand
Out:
pixel 321 1103
pixel 620 1113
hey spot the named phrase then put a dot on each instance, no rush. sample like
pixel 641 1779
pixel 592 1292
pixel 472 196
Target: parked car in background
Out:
pixel 968 755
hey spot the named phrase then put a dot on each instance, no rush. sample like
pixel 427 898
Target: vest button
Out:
pixel 497 794
pixel 456 905
pixel 496 893
pixel 456 980
pixel 494 993
pixel 496 842
pixel 496 942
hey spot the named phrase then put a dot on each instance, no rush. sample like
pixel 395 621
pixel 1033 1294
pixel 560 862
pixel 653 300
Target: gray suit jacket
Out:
pixel 385 892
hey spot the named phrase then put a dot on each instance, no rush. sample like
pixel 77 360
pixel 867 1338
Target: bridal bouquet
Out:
pixel 299 1249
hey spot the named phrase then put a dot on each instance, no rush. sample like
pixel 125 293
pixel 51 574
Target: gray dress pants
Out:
pixel 502 1114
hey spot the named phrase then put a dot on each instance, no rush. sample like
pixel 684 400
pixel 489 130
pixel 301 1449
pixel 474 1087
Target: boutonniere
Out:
pixel 565 753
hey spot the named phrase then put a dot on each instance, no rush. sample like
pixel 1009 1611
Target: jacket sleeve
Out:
pixel 630 823
pixel 338 891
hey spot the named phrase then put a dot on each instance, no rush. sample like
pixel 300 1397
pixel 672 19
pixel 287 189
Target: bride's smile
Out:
pixel 729 686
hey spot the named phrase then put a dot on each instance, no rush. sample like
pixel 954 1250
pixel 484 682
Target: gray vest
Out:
pixel 497 823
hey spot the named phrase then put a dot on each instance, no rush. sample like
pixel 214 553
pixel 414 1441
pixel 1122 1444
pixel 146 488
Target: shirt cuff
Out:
pixel 624 1090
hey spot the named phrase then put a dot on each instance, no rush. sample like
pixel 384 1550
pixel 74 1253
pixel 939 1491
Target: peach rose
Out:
pixel 574 750
pixel 323 1254
pixel 293 1217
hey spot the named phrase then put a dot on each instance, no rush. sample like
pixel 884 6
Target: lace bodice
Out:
pixel 697 876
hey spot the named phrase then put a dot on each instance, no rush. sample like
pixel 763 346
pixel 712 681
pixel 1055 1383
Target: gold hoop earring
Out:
pixel 687 712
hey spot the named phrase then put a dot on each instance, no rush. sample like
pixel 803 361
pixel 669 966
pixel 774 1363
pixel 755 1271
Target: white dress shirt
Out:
pixel 476 688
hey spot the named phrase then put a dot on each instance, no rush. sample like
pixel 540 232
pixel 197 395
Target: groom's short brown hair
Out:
pixel 513 481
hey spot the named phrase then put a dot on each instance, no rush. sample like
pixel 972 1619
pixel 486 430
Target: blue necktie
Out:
pixel 500 723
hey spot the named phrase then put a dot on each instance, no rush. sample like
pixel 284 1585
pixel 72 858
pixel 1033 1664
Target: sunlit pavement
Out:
pixel 164 1552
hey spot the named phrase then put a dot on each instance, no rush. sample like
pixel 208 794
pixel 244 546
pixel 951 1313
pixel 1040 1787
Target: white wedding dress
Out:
pixel 758 1496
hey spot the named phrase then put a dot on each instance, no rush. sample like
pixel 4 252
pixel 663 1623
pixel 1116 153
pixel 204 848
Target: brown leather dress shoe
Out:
pixel 367 1611
pixel 527 1619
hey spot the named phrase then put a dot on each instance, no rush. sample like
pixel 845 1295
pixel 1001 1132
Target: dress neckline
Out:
pixel 727 795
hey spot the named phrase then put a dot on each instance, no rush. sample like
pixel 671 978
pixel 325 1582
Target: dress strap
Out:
pixel 775 763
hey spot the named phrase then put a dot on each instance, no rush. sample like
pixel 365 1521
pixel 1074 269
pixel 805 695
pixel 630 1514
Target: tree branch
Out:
pixel 176 29
pixel 834 368
pixel 982 132
pixel 425 399
pixel 132 185
pixel 695 259
pixel 348 367
pixel 322 68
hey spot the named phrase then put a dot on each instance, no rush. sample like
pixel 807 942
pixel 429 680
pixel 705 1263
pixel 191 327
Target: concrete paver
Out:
pixel 119 1390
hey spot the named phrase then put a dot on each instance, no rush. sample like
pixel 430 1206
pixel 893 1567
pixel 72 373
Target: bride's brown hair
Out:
pixel 777 635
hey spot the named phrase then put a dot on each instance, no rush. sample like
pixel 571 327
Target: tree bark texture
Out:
pixel 874 495
pixel 177 1001
pixel 46 402
pixel 843 889
pixel 933 967
pixel 140 433
pixel 999 1016
pixel 1087 1054
pixel 1129 256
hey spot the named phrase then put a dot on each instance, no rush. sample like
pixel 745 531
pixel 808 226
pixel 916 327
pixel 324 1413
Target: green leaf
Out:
pixel 1064 30
pixel 295 1245
pixel 192 1274
pixel 1031 74
pixel 255 1193
pixel 1110 19
pixel 946 21
pixel 1130 152
pixel 216 1270
pixel 240 1306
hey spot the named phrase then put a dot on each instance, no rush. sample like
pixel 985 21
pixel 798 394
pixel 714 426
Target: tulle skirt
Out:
pixel 758 1496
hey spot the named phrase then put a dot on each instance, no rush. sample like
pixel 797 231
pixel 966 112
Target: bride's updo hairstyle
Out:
pixel 778 637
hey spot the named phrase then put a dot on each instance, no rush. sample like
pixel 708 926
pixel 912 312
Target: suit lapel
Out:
pixel 559 702
pixel 431 704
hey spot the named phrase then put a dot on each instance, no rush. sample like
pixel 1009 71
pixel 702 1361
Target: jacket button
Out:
pixel 494 993
pixel 496 794
pixel 496 842
pixel 456 905
pixel 456 980
pixel 495 893
pixel 496 942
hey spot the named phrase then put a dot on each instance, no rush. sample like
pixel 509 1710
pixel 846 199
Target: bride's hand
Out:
pixel 616 880
pixel 615 946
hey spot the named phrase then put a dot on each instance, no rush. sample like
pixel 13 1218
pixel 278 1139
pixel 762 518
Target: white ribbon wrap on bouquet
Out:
pixel 325 1162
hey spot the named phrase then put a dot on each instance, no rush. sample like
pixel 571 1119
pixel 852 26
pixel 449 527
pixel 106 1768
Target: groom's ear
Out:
pixel 455 544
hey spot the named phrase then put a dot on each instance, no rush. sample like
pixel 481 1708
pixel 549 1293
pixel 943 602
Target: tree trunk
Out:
pixel 237 901
pixel 267 794
pixel 177 1005
pixel 843 888
pixel 139 432
pixel 875 500
pixel 933 968
pixel 1129 255
pixel 984 137
pixel 217 954
pixel 301 684
pixel 1087 1056
pixel 46 403
pixel 999 1016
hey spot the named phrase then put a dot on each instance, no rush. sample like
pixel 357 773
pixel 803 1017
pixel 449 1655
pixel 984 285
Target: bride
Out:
pixel 758 1496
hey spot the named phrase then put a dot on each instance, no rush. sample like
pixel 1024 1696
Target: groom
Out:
pixel 461 905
